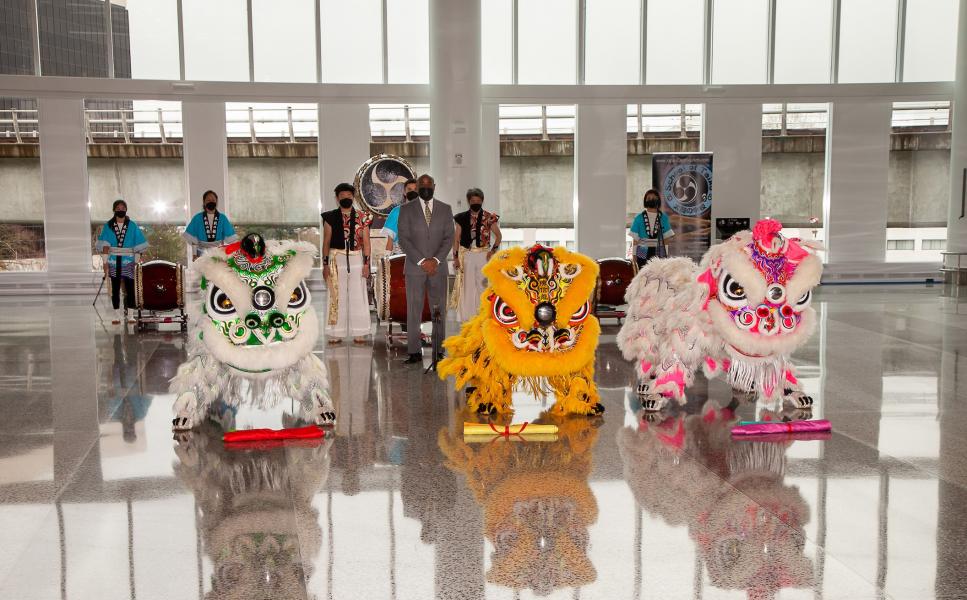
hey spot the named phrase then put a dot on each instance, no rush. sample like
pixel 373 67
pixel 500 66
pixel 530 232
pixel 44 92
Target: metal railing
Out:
pixel 407 122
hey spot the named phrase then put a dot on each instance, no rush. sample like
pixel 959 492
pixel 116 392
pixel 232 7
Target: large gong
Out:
pixel 379 183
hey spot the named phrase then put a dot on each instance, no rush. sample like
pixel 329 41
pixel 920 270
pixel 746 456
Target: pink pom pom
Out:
pixel 765 230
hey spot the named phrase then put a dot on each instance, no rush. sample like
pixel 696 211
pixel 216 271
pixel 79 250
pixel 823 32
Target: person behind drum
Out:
pixel 345 268
pixel 209 228
pixel 121 242
pixel 650 230
pixel 472 248
pixel 391 226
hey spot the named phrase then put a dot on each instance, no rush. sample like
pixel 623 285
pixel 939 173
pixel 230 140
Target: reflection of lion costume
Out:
pixel 740 314
pixel 257 521
pixel 537 505
pixel 746 523
pixel 252 341
pixel 534 328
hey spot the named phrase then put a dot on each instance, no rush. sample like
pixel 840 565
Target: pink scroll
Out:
pixel 781 427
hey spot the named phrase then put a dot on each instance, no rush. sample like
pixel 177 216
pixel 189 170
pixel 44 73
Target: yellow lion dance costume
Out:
pixel 537 504
pixel 535 329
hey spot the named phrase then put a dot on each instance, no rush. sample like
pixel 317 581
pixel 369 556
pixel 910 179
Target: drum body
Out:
pixel 159 286
pixel 391 290
pixel 614 276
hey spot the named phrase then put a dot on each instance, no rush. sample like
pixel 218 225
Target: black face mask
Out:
pixel 345 202
pixel 412 195
pixel 476 207
pixel 210 206
pixel 652 203
pixel 120 213
pixel 426 193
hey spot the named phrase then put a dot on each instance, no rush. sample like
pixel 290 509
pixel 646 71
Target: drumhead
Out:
pixel 379 183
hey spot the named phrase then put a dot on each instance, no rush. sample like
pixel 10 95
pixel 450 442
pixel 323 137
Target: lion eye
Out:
pixel 220 303
pixel 731 291
pixel 503 313
pixel 581 313
pixel 299 296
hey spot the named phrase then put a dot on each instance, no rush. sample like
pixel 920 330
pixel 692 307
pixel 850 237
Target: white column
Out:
pixel 63 166
pixel 733 134
pixel 205 153
pixel 489 172
pixel 455 98
pixel 600 179
pixel 957 218
pixel 857 167
pixel 343 146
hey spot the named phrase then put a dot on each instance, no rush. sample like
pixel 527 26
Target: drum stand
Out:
pixel 435 319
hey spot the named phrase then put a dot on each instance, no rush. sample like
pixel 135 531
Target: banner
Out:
pixel 684 181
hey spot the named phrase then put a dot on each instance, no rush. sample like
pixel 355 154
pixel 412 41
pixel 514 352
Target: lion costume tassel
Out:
pixel 535 330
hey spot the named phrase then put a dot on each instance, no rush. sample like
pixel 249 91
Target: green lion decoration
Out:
pixel 253 338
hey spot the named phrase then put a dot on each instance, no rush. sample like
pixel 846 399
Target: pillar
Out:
pixel 490 156
pixel 733 134
pixel 857 168
pixel 63 167
pixel 957 217
pixel 343 146
pixel 205 153
pixel 600 179
pixel 455 109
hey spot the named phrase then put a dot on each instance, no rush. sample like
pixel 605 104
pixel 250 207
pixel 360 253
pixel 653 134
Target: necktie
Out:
pixel 426 211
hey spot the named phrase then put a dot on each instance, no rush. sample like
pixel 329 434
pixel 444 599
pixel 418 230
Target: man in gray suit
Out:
pixel 426 237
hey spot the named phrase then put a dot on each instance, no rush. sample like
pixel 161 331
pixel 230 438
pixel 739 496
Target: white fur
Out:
pixel 278 355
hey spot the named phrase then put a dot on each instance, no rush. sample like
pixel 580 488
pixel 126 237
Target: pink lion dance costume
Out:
pixel 740 313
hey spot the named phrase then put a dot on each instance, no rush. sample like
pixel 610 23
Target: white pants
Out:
pixel 474 284
pixel 352 316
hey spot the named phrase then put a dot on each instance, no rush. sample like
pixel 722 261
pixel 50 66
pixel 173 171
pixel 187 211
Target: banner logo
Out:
pixel 687 188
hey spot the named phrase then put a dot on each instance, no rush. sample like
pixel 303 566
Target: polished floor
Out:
pixel 98 501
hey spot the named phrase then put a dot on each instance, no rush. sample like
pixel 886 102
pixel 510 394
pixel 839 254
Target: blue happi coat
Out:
pixel 134 243
pixel 196 233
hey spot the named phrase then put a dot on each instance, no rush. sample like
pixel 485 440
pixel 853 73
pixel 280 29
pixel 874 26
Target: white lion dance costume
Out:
pixel 741 313
pixel 253 337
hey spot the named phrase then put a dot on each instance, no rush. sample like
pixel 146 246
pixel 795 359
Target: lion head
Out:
pixel 256 315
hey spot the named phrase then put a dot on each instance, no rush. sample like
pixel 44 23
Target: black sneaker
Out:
pixel 412 359
pixel 441 356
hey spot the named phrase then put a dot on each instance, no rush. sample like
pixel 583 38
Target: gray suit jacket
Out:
pixel 420 241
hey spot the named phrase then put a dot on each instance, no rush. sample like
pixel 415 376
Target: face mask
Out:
pixel 651 203
pixel 345 202
pixel 120 213
pixel 412 195
pixel 426 193
pixel 476 207
pixel 209 206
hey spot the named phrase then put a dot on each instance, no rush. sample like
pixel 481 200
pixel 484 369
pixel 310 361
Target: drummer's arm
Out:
pixel 366 252
pixel 497 236
pixel 326 236
pixel 456 245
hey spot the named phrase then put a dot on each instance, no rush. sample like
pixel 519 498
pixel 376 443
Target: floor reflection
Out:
pixel 98 501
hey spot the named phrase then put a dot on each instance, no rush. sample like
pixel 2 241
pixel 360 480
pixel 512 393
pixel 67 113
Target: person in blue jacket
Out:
pixel 121 242
pixel 650 230
pixel 390 228
pixel 209 228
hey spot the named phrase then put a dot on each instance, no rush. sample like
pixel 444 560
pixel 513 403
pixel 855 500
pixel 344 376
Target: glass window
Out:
pixel 740 41
pixel 612 42
pixel 73 40
pixel 497 41
pixel 399 121
pixel 284 40
pixel 536 121
pixel 930 43
pixel 934 245
pixel 675 42
pixel 22 245
pixel 922 115
pixel 867 41
pixel 277 197
pixel 547 29
pixel 153 39
pixel 352 41
pixel 216 40
pixel 17 53
pixel 408 41
pixel 803 41
pixel 792 184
